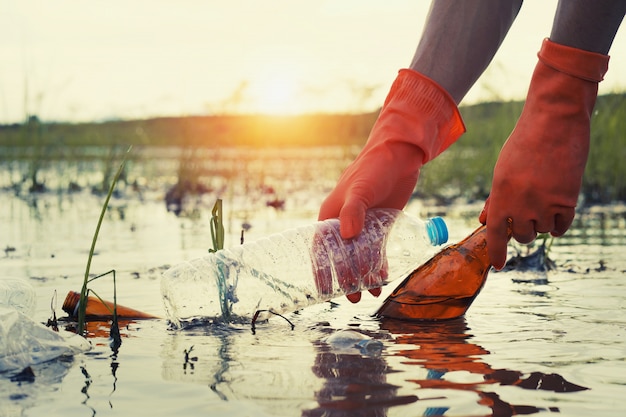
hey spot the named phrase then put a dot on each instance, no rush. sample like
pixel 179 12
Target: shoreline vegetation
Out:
pixel 463 171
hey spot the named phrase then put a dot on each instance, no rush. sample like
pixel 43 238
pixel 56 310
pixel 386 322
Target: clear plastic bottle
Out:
pixel 297 268
pixel 17 294
pixel 24 342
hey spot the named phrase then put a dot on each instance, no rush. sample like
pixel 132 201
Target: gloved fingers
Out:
pixel 346 278
pixel 370 264
pixel 322 267
pixel 352 263
pixel 497 241
pixel 562 221
pixel 524 230
pixel 361 197
pixel 378 277
pixel 375 291
pixel 331 206
pixel 333 262
pixel 349 201
pixel 351 214
pixel 354 297
pixel 545 225
pixel 352 218
pixel 373 281
pixel 349 207
pixel 558 223
pixel 482 217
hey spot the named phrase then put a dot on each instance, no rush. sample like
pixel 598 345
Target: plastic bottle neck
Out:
pixel 437 231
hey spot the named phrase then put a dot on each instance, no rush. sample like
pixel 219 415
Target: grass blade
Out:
pixel 83 292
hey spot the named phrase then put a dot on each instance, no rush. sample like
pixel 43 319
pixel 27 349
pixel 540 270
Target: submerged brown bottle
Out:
pixel 100 309
pixel 445 286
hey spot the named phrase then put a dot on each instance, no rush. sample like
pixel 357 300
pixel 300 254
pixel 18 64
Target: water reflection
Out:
pixel 270 371
pixel 24 390
pixel 201 355
pixel 445 347
pixel 356 385
pixel 601 225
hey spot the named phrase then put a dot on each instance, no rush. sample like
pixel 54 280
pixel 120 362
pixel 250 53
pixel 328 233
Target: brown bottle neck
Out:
pixel 100 308
pixel 70 305
pixel 476 243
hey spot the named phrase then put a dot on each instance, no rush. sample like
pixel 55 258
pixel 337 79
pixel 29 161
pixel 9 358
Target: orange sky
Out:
pixel 95 60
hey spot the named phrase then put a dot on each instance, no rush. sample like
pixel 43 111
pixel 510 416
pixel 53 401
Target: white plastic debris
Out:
pixel 23 342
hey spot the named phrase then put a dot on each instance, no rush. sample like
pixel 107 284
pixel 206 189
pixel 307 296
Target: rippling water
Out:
pixel 532 342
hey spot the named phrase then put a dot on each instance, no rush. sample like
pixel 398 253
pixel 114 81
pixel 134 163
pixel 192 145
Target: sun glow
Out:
pixel 276 95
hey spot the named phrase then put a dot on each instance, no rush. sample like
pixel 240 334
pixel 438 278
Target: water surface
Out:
pixel 531 343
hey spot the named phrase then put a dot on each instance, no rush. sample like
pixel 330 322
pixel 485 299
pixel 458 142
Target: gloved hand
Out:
pixel 538 175
pixel 418 121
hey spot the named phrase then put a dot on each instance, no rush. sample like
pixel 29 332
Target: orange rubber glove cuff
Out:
pixel 589 66
pixel 414 93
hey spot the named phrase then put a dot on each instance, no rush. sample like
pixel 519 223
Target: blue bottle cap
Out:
pixel 437 231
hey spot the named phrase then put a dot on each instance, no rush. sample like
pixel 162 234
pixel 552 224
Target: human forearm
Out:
pixel 460 40
pixel 587 25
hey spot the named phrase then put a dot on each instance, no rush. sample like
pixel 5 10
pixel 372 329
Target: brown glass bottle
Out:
pixel 445 286
pixel 96 308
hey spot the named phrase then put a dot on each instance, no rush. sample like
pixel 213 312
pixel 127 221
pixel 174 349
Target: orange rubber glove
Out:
pixel 538 175
pixel 418 121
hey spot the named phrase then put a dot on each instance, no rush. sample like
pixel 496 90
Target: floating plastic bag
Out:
pixel 17 294
pixel 24 342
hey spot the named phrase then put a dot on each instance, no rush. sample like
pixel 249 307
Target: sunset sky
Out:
pixel 94 60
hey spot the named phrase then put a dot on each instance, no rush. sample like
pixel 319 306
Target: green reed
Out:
pixel 217 227
pixel 84 290
pixel 605 175
pixel 217 235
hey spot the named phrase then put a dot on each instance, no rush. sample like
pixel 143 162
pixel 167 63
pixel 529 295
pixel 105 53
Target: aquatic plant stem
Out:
pixel 217 227
pixel 114 333
pixel 83 292
pixel 217 235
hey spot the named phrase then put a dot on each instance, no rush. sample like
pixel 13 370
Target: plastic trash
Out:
pixel 347 340
pixel 24 342
pixel 445 286
pixel 299 267
pixel 97 308
pixel 17 294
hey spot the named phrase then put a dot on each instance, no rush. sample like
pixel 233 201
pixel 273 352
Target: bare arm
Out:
pixel 460 40
pixel 587 25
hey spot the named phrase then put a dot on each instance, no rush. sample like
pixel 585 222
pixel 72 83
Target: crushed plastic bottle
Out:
pixel 17 294
pixel 24 342
pixel 297 268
